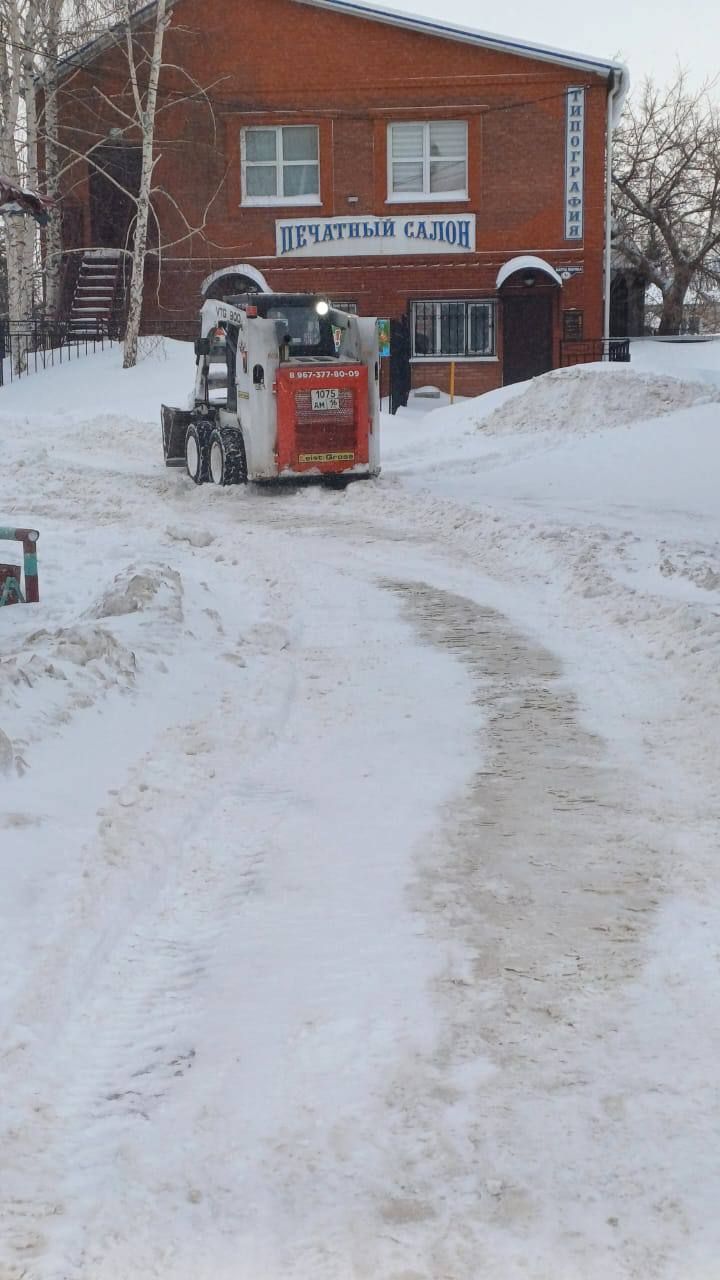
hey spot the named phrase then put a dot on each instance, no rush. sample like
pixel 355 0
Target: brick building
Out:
pixel 450 180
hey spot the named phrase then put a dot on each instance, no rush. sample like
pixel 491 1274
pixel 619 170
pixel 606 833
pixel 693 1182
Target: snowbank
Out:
pixel 582 400
pixel 96 384
pixel 695 358
pixel 579 400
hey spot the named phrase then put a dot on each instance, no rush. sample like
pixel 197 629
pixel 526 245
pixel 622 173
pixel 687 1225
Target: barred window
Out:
pixel 428 161
pixel 281 165
pixel 453 328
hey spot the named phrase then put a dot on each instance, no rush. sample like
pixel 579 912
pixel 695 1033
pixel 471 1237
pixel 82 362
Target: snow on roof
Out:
pixel 486 39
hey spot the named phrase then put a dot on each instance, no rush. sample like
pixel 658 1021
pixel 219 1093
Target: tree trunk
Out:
pixel 53 231
pixel 19 281
pixel 147 117
pixel 673 302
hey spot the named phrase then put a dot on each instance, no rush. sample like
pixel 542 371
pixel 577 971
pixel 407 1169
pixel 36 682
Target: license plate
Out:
pixel 325 400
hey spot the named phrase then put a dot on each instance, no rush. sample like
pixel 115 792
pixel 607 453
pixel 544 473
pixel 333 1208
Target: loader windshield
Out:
pixel 309 334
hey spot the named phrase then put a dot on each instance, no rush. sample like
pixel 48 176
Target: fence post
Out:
pixel 29 538
pixel 32 589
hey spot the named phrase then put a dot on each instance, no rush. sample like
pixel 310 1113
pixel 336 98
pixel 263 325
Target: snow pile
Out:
pixel 50 675
pixel 586 399
pixel 694 567
pixel 159 588
pixel 54 675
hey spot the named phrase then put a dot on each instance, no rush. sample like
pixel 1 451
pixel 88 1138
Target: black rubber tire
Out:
pixel 226 448
pixel 198 435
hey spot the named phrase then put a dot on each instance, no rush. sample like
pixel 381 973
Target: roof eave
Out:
pixel 104 40
pixel 616 73
pixel 486 39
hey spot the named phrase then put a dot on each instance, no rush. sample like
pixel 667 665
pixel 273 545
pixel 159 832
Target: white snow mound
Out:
pixel 159 587
pixel 583 400
pixel 53 674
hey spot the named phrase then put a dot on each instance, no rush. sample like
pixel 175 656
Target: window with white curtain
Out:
pixel 281 165
pixel 428 161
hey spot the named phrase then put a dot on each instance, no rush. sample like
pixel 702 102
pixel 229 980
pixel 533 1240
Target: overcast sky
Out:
pixel 649 36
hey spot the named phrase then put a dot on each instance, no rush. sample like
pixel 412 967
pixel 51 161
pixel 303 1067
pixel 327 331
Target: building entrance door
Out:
pixel 112 185
pixel 527 335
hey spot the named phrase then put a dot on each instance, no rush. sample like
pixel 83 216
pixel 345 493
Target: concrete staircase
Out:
pixel 94 302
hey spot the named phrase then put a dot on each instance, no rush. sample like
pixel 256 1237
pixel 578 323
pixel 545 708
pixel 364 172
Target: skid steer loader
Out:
pixel 286 387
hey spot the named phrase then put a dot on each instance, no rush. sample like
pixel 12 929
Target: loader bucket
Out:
pixel 175 423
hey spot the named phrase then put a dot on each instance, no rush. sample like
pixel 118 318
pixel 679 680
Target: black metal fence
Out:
pixel 182 330
pixel 587 350
pixel 29 346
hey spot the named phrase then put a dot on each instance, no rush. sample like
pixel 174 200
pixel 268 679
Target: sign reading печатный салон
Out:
pixel 383 237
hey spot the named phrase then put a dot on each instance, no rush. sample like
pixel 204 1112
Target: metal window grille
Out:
pixel 456 328
pixel 481 328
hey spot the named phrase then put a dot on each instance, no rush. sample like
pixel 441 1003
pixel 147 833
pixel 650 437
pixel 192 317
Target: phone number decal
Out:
pixel 322 374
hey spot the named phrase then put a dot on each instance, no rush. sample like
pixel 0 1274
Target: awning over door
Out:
pixel 526 262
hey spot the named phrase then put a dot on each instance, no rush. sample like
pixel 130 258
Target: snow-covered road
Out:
pixel 359 912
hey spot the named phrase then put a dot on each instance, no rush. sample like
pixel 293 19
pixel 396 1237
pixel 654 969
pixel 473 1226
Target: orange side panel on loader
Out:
pixel 322 416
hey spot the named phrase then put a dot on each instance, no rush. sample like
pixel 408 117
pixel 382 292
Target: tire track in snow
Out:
pixel 128 1039
pixel 543 902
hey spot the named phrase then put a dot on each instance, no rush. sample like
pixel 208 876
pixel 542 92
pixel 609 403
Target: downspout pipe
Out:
pixel 617 88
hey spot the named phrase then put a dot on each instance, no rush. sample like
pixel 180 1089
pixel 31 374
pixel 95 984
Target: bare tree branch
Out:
pixel 666 198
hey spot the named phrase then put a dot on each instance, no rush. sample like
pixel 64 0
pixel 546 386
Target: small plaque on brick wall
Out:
pixel 572 326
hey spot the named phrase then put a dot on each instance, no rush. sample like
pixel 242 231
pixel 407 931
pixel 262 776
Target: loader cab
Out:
pixel 215 355
pixel 304 322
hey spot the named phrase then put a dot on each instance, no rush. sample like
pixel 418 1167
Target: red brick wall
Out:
pixel 472 378
pixel 278 61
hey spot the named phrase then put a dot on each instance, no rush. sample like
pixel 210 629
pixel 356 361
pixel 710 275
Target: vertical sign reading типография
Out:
pixel 574 163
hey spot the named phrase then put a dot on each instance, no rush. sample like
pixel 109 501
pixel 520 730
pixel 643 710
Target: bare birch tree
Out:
pixel 19 20
pixel 145 108
pixel 33 33
pixel 135 49
pixel 48 130
pixel 666 197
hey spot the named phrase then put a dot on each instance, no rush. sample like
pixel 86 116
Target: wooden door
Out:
pixel 527 336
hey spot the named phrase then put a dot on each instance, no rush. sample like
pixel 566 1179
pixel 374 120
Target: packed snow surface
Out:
pixel 360 905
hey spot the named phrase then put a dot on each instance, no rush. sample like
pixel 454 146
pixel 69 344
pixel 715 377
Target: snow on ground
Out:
pixel 359 850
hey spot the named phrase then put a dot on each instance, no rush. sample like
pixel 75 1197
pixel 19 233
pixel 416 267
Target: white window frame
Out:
pixel 426 195
pixel 264 201
pixel 465 356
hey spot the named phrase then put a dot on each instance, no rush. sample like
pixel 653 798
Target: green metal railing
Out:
pixel 10 591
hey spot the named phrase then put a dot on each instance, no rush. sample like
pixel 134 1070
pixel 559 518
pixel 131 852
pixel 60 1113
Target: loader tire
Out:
pixel 197 451
pixel 228 464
